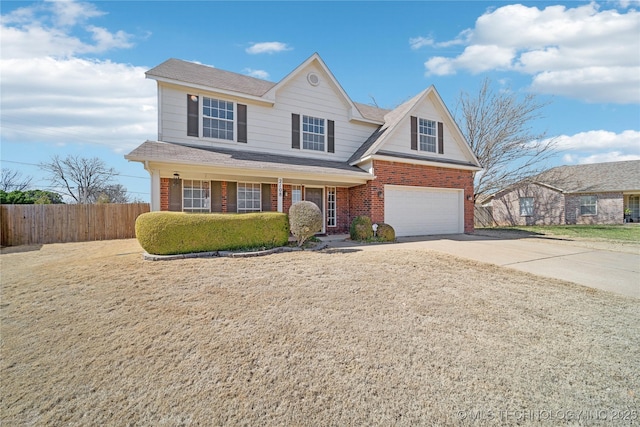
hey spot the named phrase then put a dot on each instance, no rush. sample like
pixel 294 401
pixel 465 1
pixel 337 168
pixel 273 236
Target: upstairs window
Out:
pixel 588 205
pixel 526 206
pixel 427 135
pixel 427 131
pixel 217 118
pixel 313 131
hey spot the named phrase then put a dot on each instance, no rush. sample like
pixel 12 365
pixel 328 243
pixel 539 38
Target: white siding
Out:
pixel 269 127
pixel 400 141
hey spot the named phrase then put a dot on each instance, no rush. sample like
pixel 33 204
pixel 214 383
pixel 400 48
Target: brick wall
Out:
pixel 548 206
pixel 610 209
pixel 164 194
pixel 365 199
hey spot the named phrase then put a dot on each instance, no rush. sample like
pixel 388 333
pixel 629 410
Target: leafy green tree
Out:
pixel 29 197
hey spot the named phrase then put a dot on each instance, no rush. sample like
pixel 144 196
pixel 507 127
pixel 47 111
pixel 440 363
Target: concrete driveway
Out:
pixel 614 268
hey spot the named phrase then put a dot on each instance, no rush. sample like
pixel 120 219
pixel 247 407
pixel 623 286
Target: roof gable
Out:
pixel 210 78
pixel 316 62
pixel 396 117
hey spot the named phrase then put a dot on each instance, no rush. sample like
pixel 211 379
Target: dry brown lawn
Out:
pixel 93 335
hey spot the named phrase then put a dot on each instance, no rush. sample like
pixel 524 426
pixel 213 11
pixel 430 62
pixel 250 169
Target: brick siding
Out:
pixel 364 199
pixel 610 209
pixel 368 199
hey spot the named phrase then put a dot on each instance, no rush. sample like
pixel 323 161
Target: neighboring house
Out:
pixel 233 143
pixel 595 193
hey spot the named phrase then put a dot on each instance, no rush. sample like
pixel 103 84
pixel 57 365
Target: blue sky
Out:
pixel 72 73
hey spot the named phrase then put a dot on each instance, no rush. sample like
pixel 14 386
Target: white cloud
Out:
pixel 267 47
pixel 77 100
pixel 613 156
pixel 599 146
pixel 628 140
pixel 581 52
pixel 50 93
pixel 418 42
pixel 259 74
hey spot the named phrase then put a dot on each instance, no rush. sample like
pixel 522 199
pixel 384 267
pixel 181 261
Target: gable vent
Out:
pixel 313 79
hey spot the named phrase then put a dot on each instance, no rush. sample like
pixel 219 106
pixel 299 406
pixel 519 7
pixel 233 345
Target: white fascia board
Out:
pixel 422 162
pixel 216 90
pixel 361 119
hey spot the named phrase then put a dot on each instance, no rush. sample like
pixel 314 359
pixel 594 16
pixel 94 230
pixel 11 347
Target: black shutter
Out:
pixel 216 196
pixel 440 138
pixel 175 195
pixel 232 197
pixel 414 133
pixel 192 116
pixel 331 138
pixel 266 197
pixel 295 131
pixel 242 123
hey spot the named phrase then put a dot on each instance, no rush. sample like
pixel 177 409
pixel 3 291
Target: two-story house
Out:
pixel 232 143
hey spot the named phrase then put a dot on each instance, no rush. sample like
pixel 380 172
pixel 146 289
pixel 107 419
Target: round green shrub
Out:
pixel 361 228
pixel 385 233
pixel 169 233
pixel 305 220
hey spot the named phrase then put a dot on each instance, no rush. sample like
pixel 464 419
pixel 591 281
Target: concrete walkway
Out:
pixel 607 269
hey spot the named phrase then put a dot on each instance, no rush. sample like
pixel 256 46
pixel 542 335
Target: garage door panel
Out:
pixel 414 211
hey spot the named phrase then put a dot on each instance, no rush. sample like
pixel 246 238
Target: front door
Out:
pixel 315 195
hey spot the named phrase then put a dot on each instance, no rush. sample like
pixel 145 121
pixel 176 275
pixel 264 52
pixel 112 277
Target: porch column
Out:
pixel 155 189
pixel 279 194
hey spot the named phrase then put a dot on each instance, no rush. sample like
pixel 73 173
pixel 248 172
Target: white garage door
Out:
pixel 419 211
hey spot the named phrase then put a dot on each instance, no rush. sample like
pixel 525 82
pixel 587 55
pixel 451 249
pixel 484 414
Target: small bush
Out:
pixel 305 220
pixel 385 233
pixel 361 228
pixel 168 233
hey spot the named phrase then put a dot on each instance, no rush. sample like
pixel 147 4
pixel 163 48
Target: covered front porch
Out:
pixel 194 179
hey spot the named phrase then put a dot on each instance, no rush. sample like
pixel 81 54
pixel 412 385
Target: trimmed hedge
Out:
pixel 385 233
pixel 305 220
pixel 361 228
pixel 170 233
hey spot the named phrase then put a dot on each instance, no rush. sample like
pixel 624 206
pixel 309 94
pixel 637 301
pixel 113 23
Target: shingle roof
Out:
pixel 190 72
pixel 594 178
pixel 204 75
pixel 180 153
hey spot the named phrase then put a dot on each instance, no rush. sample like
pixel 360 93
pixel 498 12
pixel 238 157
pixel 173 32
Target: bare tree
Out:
pixel 115 193
pixel 83 179
pixel 12 180
pixel 497 125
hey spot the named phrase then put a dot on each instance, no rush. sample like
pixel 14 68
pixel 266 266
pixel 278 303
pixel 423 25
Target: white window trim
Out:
pixel 206 199
pixel 332 210
pixel 245 210
pixel 435 136
pixel 297 187
pixel 325 141
pixel 520 200
pixel 595 204
pixel 201 118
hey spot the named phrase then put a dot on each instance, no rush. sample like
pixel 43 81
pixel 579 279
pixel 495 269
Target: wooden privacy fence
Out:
pixel 484 216
pixel 39 224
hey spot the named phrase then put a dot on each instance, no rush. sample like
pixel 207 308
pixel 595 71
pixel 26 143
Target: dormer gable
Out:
pixel 419 129
pixel 316 72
